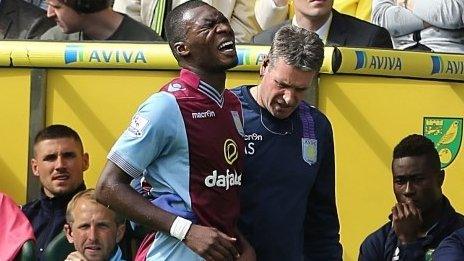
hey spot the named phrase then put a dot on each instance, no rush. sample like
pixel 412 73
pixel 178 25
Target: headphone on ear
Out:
pixel 87 6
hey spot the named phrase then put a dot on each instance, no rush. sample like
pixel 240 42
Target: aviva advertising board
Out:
pixel 109 55
pixel 93 55
pixel 447 65
pixel 78 54
pixel 402 64
pixel 119 55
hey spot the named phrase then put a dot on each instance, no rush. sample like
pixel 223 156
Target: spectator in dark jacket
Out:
pixel 59 162
pixel 333 28
pixel 423 216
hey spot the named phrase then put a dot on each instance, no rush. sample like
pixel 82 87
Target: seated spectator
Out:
pixel 93 20
pixel 15 229
pixel 21 20
pixel 451 248
pixel 59 162
pixel 427 25
pixel 273 12
pixel 94 229
pixel 332 27
pixel 152 13
pixel 422 216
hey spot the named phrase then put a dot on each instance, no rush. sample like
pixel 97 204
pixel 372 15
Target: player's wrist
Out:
pixel 180 228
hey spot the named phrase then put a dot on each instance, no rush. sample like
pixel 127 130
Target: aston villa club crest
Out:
pixel 446 133
pixel 309 150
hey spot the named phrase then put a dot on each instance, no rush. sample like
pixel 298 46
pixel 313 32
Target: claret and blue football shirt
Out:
pixel 187 142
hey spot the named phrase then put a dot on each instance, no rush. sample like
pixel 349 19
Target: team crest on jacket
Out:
pixel 309 150
pixel 446 133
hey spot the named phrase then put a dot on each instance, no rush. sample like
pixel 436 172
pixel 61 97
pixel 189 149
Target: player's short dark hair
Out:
pixel 416 145
pixel 58 131
pixel 174 25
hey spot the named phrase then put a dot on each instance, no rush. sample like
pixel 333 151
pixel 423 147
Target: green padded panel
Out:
pixel 58 249
pixel 27 252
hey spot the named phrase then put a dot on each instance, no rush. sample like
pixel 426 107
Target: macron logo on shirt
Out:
pixel 203 115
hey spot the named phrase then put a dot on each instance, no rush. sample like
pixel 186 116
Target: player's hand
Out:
pixel 407 221
pixel 75 256
pixel 211 244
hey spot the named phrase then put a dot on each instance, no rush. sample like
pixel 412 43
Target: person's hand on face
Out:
pixel 407 221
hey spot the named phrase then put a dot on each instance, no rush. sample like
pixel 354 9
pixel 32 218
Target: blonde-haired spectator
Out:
pixel 93 228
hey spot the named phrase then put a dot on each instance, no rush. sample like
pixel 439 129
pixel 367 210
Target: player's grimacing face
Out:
pixel 210 39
